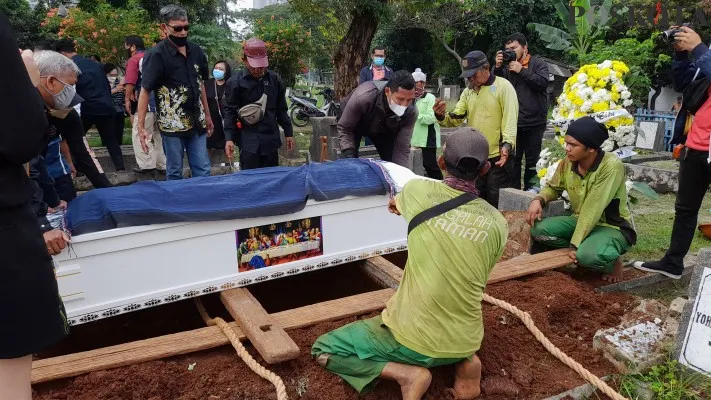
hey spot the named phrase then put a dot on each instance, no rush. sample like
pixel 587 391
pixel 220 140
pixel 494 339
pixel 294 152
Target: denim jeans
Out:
pixel 196 147
pixel 694 178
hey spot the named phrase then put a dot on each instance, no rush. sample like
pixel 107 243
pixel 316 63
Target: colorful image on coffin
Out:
pixel 280 243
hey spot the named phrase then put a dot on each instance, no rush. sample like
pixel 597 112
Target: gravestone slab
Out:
pixel 694 340
pixel 414 162
pixel 517 200
pixel 324 127
pixel 449 92
pixel 652 136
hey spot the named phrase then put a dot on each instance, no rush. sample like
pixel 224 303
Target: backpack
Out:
pixel 340 106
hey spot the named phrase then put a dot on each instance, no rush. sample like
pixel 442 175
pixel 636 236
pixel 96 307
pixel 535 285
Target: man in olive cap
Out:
pixel 489 104
pixel 599 231
pixel 255 107
pixel 435 316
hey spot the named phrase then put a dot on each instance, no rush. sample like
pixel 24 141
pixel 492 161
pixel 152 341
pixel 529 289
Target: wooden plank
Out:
pixel 382 271
pixel 390 275
pixel 199 339
pixel 268 337
pixel 529 264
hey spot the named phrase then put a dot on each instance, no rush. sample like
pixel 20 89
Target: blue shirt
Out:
pixel 57 165
pixel 94 88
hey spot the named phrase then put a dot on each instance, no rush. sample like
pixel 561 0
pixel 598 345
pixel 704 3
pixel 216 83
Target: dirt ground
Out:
pixel 515 364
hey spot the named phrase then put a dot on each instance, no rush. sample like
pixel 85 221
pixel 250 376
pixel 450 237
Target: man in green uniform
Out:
pixel 599 231
pixel 435 316
pixel 490 105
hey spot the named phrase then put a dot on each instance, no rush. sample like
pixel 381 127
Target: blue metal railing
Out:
pixel 662 116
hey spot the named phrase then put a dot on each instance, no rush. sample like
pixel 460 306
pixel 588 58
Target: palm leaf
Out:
pixel 645 190
pixel 557 39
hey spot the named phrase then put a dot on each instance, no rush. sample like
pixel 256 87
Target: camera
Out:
pixel 669 36
pixel 509 55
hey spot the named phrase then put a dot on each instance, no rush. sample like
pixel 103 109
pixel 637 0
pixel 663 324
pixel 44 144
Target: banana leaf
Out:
pixel 557 39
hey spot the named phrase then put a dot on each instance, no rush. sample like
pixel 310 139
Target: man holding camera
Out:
pixel 694 167
pixel 529 76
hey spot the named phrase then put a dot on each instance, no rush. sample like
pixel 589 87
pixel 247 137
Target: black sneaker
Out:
pixel 660 268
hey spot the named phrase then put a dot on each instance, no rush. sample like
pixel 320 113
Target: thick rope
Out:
pixel 242 352
pixel 526 319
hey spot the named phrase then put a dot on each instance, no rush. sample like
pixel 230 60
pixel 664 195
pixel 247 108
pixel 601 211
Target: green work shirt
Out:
pixel 436 311
pixel 598 198
pixel 493 110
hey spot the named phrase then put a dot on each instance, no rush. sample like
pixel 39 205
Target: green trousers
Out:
pixel 600 250
pixel 359 351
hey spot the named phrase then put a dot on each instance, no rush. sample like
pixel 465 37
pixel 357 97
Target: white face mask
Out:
pixel 63 98
pixel 397 108
pixel 112 79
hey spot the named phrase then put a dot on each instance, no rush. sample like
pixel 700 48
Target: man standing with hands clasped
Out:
pixel 176 69
pixel 529 77
pixel 255 107
pixel 489 105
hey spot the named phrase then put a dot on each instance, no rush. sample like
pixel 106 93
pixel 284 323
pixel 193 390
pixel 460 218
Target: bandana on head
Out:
pixel 588 132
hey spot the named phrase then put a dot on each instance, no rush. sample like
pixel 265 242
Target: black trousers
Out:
pixel 72 132
pixel 383 144
pixel 119 123
pixel 528 144
pixel 498 178
pixel 64 186
pixel 33 313
pixel 429 162
pixel 105 124
pixel 249 160
pixel 694 178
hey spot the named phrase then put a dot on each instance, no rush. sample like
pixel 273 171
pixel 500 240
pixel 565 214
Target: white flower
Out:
pixel 606 64
pixel 627 103
pixel 608 145
pixel 587 106
pixel 582 78
pixel 625 94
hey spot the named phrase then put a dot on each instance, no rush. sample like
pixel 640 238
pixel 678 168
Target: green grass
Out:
pixel 654 219
pixel 668 381
pixel 665 164
pixel 95 141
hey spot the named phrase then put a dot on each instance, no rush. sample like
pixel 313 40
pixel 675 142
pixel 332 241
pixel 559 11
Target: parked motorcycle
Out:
pixel 303 108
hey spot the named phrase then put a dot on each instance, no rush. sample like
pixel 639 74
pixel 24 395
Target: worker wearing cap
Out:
pixel 490 105
pixel 435 316
pixel 599 231
pixel 255 106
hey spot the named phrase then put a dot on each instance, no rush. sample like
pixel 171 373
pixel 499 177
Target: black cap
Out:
pixel 466 148
pixel 472 61
pixel 588 132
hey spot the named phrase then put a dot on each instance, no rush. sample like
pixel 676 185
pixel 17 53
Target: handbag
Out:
pixel 696 94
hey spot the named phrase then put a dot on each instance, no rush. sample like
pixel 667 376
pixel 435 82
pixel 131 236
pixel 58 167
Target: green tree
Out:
pixel 25 22
pixel 199 11
pixel 286 46
pixel 103 31
pixel 579 33
pixel 216 41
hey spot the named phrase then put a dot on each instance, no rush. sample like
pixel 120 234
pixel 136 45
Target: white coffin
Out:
pixel 126 269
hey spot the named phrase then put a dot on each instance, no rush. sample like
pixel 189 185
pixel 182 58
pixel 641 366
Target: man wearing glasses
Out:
pixel 176 69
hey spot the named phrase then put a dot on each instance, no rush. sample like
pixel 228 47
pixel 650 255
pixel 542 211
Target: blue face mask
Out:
pixel 379 61
pixel 219 75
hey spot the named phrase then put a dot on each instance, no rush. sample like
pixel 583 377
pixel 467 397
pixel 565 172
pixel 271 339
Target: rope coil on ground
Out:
pixel 242 352
pixel 528 322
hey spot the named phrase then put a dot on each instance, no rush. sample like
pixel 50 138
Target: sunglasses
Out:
pixel 180 28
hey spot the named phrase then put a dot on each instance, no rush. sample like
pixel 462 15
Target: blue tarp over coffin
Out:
pixel 247 194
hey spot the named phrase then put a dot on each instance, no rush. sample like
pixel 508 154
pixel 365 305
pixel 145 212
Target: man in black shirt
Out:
pixel 97 109
pixel 255 107
pixel 176 69
pixel 529 76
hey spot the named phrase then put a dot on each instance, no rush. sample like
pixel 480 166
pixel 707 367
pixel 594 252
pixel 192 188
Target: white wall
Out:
pixel 665 99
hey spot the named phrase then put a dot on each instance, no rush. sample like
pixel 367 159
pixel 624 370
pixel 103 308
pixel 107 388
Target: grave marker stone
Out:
pixel 694 340
pixel 652 135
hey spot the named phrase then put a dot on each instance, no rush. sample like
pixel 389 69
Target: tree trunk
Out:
pixel 352 52
pixel 453 53
pixel 653 100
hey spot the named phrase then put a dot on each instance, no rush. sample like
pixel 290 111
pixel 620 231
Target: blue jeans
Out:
pixel 196 147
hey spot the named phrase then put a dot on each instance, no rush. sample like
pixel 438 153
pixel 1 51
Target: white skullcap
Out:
pixel 419 75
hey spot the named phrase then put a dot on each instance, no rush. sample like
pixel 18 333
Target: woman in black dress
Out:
pixel 33 313
pixel 215 90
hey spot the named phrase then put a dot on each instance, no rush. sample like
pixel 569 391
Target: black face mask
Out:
pixel 178 41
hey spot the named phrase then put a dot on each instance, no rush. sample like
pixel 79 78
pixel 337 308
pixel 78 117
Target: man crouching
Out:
pixel 599 231
pixel 455 238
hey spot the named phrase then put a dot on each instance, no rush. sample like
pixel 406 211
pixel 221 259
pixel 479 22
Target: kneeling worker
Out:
pixel 435 316
pixel 599 231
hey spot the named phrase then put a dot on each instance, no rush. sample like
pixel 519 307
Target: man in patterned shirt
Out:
pixel 175 69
